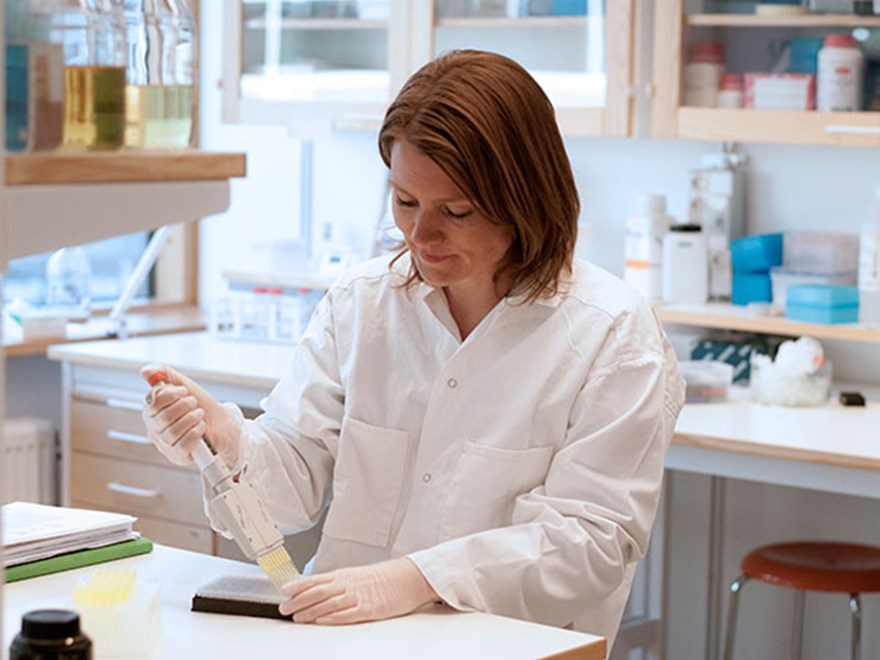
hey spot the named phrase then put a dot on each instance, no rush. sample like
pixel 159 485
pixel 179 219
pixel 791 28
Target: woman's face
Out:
pixel 452 244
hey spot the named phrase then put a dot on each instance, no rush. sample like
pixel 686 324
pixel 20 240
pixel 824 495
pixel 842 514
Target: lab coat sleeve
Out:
pixel 569 554
pixel 289 451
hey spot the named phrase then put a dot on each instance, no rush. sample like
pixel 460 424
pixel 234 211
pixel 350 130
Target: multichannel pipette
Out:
pixel 240 509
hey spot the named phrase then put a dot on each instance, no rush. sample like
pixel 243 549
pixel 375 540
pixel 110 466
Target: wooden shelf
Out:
pixel 858 129
pixel 725 316
pixel 802 21
pixel 121 166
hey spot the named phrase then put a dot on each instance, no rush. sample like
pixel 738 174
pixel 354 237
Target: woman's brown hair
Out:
pixel 491 129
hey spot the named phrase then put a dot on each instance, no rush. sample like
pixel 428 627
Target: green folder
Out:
pixel 78 559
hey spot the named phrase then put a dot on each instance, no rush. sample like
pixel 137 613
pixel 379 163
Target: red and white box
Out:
pixel 780 91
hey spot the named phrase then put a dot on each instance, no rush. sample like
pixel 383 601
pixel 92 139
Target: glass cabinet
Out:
pixel 347 58
pixel 783 72
pixel 569 46
pixel 290 56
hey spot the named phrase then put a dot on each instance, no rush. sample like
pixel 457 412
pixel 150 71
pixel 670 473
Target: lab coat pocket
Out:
pixel 486 483
pixel 366 482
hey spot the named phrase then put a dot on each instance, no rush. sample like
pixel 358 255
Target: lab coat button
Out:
pixel 452 383
pixel 426 477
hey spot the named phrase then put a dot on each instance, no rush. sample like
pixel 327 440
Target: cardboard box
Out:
pixel 780 91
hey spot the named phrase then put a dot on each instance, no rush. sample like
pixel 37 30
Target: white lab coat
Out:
pixel 520 469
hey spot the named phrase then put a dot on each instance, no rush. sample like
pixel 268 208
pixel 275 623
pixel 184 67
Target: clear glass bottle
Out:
pixel 91 35
pixel 67 276
pixel 161 74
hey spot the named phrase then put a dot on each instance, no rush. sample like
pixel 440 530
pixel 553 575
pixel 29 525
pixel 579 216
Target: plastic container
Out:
pixel 706 381
pixel 161 74
pixel 643 247
pixel 685 265
pixel 68 275
pixel 803 57
pixel 731 93
pixel 839 83
pixel 48 634
pixel 751 288
pixel 820 252
pixel 702 74
pixel 869 265
pixel 783 277
pixel 756 254
pixel 121 612
pixel 819 303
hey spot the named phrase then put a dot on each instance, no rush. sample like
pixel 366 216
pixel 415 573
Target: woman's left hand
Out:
pixel 366 593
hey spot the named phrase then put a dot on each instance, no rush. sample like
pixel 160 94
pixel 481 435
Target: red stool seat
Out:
pixel 816 566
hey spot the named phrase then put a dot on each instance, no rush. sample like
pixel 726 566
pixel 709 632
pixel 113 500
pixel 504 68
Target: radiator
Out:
pixel 29 461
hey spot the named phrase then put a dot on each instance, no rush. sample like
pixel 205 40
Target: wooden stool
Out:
pixel 810 566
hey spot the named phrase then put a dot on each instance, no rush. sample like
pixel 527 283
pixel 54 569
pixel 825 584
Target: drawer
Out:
pixel 113 430
pixel 176 535
pixel 138 488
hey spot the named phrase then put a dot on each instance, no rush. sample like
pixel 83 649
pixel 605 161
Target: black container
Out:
pixel 50 635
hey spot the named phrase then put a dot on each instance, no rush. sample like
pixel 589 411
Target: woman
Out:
pixel 486 416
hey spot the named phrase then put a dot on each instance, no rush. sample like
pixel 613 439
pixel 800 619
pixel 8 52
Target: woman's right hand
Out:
pixel 178 413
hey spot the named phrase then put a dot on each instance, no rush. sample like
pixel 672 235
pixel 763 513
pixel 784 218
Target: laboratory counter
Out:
pixel 829 435
pixel 436 632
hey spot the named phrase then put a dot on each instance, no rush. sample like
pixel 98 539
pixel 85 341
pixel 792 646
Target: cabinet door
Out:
pixel 578 50
pixel 312 59
pixel 776 52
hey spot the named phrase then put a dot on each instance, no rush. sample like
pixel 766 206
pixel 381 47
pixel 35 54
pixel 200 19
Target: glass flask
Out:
pixel 161 73
pixel 91 36
pixel 68 273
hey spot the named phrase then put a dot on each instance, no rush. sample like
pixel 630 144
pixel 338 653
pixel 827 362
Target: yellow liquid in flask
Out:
pixel 94 106
pixel 158 116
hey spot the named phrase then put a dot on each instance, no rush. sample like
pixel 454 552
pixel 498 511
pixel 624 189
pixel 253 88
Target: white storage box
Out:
pixel 782 277
pixel 822 253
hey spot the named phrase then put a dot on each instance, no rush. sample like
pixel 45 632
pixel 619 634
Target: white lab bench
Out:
pixel 437 632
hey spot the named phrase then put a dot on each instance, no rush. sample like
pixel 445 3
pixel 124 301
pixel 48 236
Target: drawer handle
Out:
pixel 854 130
pixel 133 438
pixel 134 491
pixel 125 405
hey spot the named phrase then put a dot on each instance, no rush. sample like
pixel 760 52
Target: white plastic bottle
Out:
pixel 685 265
pixel 839 78
pixel 643 247
pixel 869 265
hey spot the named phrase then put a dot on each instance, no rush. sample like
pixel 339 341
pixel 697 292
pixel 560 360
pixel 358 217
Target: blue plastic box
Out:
pixel 569 7
pixel 751 287
pixel 822 303
pixel 756 254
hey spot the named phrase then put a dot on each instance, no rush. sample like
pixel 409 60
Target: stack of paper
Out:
pixel 36 531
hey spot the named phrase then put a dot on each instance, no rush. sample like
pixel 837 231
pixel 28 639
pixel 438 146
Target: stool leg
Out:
pixel 797 625
pixel 855 606
pixel 733 603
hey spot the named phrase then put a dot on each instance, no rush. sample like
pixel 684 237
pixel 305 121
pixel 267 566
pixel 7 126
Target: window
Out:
pixel 111 262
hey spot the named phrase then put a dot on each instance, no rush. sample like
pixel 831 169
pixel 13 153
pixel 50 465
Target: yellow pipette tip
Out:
pixel 278 566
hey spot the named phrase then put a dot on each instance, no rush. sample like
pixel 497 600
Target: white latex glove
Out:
pixel 178 413
pixel 366 593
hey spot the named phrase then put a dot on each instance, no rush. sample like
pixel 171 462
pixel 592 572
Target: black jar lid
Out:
pixel 50 624
pixel 686 227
